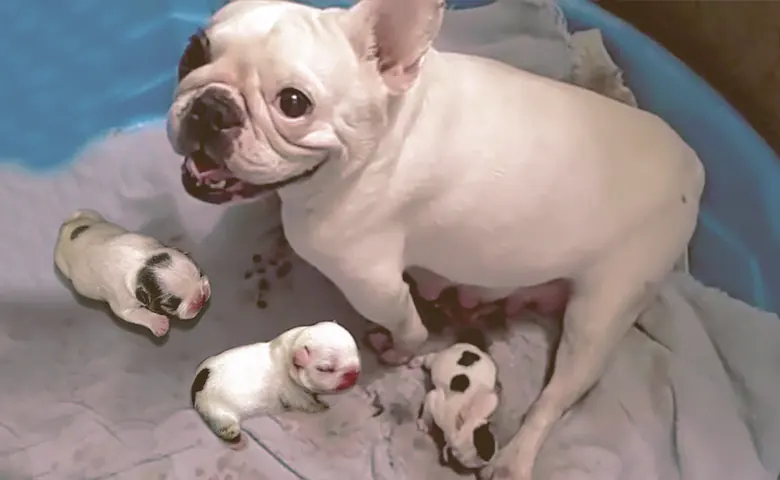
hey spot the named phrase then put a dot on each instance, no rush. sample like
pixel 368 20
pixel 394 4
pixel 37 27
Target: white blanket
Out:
pixel 692 393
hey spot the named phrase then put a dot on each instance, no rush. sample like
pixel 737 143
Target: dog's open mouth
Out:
pixel 210 182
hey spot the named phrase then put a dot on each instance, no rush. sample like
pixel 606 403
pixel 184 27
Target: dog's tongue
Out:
pixel 203 168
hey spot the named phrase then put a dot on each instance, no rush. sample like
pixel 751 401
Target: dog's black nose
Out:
pixel 213 112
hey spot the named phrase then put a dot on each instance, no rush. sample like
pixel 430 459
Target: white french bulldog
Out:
pixel 143 281
pixel 286 374
pixel 387 154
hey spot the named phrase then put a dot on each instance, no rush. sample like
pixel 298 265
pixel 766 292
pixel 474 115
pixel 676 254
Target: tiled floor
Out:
pixel 733 44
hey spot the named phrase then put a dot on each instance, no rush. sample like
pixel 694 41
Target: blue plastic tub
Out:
pixel 73 71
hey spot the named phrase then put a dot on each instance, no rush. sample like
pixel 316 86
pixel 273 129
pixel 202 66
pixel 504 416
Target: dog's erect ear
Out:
pixel 396 34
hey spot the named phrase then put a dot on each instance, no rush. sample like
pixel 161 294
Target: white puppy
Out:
pixel 464 396
pixel 387 154
pixel 286 374
pixel 143 281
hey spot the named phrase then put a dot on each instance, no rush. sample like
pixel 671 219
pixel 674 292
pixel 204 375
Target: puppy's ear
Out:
pixel 142 295
pixel 484 442
pixel 301 357
pixel 396 34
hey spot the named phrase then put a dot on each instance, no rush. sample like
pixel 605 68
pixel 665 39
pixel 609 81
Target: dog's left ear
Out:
pixel 395 33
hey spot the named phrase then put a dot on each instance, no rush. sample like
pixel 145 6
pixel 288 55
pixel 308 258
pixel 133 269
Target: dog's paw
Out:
pixel 507 466
pixel 422 425
pixel 380 341
pixel 416 362
pixel 159 326
pixel 394 358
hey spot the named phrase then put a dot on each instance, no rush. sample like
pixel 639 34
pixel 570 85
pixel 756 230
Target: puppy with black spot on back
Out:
pixel 457 411
pixel 289 373
pixel 143 281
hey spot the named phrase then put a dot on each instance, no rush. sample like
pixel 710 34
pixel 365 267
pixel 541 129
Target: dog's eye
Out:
pixel 293 103
pixel 326 369
pixel 197 54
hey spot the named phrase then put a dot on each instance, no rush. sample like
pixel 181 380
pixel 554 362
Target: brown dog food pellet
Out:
pixel 263 285
pixel 262 304
pixel 283 270
pixel 247 275
pixel 257 258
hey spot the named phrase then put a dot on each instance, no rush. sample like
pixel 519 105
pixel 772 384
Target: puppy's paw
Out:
pixel 239 444
pixel 158 325
pixel 230 433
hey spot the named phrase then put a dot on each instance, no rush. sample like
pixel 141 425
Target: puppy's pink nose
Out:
pixel 348 379
pixel 198 303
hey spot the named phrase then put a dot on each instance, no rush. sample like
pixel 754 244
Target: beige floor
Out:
pixel 734 45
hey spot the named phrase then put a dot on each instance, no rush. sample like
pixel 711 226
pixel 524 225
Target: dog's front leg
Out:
pixel 379 293
pixel 157 324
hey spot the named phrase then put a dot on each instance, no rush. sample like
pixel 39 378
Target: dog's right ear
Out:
pixel 396 34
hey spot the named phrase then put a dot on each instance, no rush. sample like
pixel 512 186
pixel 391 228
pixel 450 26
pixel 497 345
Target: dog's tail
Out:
pixel 473 335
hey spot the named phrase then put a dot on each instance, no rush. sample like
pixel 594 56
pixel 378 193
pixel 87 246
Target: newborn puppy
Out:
pixel 463 398
pixel 143 281
pixel 286 374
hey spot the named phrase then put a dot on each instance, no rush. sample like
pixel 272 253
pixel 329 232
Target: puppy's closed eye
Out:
pixel 172 303
pixel 325 369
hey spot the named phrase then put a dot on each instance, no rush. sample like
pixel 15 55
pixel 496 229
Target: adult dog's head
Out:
pixel 272 92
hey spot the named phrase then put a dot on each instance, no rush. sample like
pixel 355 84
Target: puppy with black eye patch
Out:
pixel 143 281
pixel 464 396
pixel 286 374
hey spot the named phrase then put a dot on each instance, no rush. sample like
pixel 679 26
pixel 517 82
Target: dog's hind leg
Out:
pixel 222 421
pixel 605 303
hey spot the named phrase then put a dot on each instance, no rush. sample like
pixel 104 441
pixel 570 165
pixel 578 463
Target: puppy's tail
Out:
pixel 473 336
